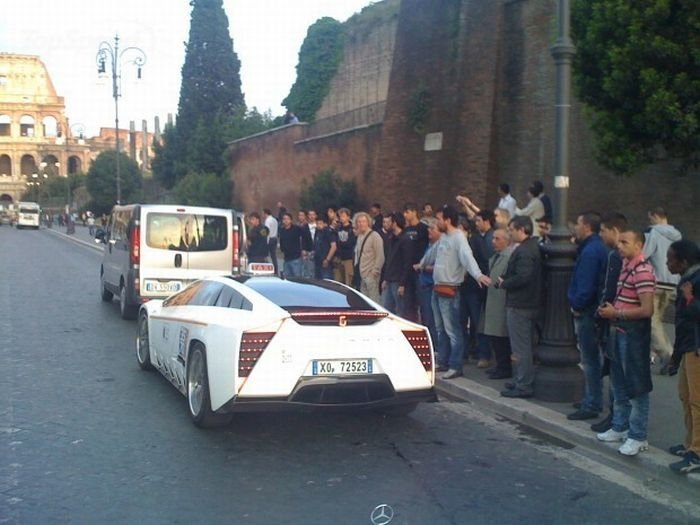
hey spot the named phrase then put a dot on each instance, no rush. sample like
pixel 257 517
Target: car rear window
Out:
pixel 296 294
pixel 187 232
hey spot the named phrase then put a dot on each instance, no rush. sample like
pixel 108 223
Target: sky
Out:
pixel 66 35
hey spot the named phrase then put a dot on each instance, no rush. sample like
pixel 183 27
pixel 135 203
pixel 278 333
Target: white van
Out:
pixel 153 251
pixel 28 215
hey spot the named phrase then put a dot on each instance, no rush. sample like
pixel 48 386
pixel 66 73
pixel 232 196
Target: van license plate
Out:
pixel 341 367
pixel 158 287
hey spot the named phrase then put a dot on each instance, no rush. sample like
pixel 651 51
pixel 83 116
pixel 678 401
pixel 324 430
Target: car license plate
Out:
pixel 158 287
pixel 341 367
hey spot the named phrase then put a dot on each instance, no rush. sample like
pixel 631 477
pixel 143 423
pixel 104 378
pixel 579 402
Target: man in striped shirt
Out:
pixel 630 345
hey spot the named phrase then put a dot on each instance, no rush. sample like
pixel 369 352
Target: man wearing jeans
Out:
pixel 630 333
pixel 583 299
pixel 453 259
pixel 291 244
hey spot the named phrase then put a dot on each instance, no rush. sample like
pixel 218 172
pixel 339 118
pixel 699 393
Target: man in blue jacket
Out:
pixel 584 299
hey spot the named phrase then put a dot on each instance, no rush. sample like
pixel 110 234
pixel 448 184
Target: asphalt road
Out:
pixel 86 437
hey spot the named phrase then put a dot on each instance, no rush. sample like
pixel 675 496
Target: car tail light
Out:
pixel 135 251
pixel 419 341
pixel 339 317
pixel 236 246
pixel 252 346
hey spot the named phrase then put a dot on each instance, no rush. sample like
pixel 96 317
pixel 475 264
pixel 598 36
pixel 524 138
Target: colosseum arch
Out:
pixel 74 164
pixel 27 165
pixel 50 125
pixel 5 166
pixel 5 125
pixel 26 126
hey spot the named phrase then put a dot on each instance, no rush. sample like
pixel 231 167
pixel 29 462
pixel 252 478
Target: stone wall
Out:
pixel 362 78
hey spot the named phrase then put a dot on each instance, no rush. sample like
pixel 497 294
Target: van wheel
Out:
pixel 127 311
pixel 143 345
pixel 106 295
pixel 198 400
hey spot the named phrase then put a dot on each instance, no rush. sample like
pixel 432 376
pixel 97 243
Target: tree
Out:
pixel 101 180
pixel 164 159
pixel 204 189
pixel 319 57
pixel 210 97
pixel 211 82
pixel 326 188
pixel 637 69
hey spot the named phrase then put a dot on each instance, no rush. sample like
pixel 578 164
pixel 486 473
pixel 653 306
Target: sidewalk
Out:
pixel 81 236
pixel 666 426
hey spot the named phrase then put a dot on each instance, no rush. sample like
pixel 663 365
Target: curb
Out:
pixel 652 463
pixel 81 242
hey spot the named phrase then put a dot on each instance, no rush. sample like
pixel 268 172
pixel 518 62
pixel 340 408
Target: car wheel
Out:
pixel 127 311
pixel 106 295
pixel 398 410
pixel 198 391
pixel 143 346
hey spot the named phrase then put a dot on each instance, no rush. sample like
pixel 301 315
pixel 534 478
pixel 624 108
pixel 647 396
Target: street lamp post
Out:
pixel 559 378
pixel 132 55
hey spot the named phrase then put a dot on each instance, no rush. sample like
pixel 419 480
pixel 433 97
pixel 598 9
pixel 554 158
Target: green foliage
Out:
pixel 164 158
pixel 319 57
pixel 326 188
pixel 204 189
pixel 211 82
pixel 419 109
pixel 210 99
pixel 101 180
pixel 637 70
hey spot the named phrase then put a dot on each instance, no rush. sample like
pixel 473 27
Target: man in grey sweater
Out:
pixel 453 259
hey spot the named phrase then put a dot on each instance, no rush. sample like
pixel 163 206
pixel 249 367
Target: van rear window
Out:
pixel 187 232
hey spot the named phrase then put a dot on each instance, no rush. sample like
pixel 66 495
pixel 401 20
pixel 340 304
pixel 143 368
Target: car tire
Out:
pixel 127 311
pixel 106 295
pixel 198 401
pixel 143 345
pixel 398 410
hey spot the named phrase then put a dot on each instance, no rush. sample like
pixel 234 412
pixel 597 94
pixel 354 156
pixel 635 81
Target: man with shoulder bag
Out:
pixel 369 257
pixel 453 260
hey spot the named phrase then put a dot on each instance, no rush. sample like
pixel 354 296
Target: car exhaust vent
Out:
pixel 419 341
pixel 339 317
pixel 252 346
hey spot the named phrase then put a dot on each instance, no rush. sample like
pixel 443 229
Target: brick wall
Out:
pixel 488 69
pixel 271 166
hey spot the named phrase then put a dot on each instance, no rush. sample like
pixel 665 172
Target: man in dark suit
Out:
pixel 523 285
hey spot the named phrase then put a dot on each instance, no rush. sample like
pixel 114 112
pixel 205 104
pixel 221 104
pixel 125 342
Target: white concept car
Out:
pixel 259 343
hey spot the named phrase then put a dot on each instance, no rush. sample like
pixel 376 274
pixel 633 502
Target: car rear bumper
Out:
pixel 334 393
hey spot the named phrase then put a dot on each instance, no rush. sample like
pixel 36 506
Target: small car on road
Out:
pixel 263 343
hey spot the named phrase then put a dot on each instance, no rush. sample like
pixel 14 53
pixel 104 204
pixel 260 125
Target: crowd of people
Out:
pixel 474 278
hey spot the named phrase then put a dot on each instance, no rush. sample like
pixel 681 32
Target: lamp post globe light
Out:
pixel 129 55
pixel 559 378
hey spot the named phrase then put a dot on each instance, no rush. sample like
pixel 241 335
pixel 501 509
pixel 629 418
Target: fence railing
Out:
pixel 363 116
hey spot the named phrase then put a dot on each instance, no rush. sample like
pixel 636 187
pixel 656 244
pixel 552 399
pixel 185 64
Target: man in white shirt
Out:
pixel 272 225
pixel 507 202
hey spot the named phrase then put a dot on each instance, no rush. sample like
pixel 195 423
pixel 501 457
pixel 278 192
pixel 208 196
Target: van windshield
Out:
pixel 187 232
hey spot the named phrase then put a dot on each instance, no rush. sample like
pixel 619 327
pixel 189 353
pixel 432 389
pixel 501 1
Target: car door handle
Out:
pixel 178 260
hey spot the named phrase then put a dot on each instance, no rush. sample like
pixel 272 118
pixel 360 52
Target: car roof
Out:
pixel 301 294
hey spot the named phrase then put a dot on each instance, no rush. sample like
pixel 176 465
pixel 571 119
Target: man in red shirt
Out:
pixel 630 345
